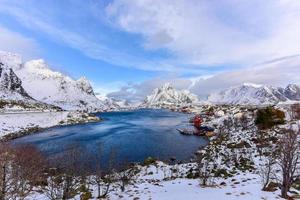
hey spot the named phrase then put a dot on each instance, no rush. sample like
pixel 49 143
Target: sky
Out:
pixel 126 48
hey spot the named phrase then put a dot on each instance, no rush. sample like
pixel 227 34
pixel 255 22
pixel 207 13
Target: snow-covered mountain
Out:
pixel 11 85
pixel 167 95
pixel 114 104
pixel 13 96
pixel 51 87
pixel 292 92
pixel 253 94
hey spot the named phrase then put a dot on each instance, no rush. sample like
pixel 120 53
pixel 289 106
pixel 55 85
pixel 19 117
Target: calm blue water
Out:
pixel 134 136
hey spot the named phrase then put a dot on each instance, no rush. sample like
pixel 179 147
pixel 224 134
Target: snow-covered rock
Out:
pixel 292 92
pixel 167 95
pixel 238 115
pixel 11 85
pixel 253 94
pixel 51 87
pixel 219 113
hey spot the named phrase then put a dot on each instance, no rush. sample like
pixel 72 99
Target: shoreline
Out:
pixel 36 130
pixel 67 118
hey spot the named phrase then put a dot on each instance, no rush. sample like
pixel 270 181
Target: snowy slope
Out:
pixel 10 85
pixel 167 95
pixel 13 97
pixel 53 87
pixel 253 94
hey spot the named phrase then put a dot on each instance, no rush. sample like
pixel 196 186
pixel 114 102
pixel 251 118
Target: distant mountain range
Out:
pixel 167 95
pixel 34 83
pixel 254 94
pixel 245 94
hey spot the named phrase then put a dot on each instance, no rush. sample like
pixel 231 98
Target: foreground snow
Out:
pixel 249 187
pixel 152 184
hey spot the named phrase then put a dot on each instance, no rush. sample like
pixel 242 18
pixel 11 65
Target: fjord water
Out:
pixel 133 135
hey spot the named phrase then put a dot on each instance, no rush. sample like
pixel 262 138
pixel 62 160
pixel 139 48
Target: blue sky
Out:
pixel 70 60
pixel 121 44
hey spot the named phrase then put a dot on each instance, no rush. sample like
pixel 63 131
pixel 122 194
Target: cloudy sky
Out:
pixel 128 47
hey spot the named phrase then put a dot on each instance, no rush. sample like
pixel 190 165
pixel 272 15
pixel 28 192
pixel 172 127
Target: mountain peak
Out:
pixel 252 85
pixel 11 85
pixel 167 86
pixel 84 85
pixel 12 60
pixel 167 95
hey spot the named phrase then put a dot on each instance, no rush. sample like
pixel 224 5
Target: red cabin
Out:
pixel 197 121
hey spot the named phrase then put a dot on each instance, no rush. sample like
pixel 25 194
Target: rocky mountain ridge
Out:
pixel 253 94
pixel 167 95
pixel 52 87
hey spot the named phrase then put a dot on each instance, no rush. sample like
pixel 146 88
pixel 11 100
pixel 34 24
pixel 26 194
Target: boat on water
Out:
pixel 202 131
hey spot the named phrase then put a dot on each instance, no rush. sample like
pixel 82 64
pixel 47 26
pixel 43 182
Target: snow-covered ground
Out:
pixel 244 186
pixel 12 123
pixel 152 183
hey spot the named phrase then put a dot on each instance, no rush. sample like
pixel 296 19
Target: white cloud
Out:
pixel 213 31
pixel 14 42
pixel 33 18
pixel 197 34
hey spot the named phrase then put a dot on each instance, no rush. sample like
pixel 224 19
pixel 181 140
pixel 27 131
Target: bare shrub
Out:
pixel 267 171
pixel 288 159
pixel 205 163
pixel 6 179
pixel 126 175
pixel 27 170
pixel 102 177
pixel 68 170
pixel 54 187
pixel 295 110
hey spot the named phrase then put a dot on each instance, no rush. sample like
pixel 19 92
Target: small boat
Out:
pixel 202 131
pixel 185 131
